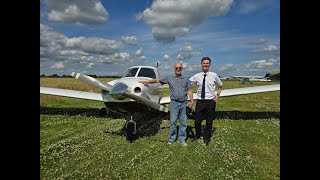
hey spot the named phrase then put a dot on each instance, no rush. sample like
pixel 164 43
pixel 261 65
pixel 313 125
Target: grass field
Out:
pixel 75 143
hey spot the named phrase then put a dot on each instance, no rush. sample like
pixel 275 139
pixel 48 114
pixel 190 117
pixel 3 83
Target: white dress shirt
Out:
pixel 211 80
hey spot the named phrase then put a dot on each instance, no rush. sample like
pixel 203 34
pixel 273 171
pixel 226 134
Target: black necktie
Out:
pixel 203 87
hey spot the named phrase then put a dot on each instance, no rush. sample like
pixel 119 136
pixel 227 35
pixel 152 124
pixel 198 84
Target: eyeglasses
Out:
pixel 178 67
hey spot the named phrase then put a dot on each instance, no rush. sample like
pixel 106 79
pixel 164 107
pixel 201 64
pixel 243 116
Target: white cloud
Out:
pixel 80 12
pixel 90 65
pixel 258 67
pixel 94 45
pixel 187 53
pixel 172 18
pixel 166 57
pixel 139 52
pixel 130 39
pixel 83 52
pixel 264 64
pixel 58 65
pixel 115 58
pixel 186 49
pixel 269 48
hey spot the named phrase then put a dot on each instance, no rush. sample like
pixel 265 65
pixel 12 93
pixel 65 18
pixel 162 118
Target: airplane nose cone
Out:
pixel 117 89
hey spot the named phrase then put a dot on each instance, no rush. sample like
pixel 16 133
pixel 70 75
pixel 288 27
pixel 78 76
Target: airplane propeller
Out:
pixel 122 89
pixel 92 81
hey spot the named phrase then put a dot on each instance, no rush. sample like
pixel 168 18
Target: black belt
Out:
pixel 178 101
pixel 204 100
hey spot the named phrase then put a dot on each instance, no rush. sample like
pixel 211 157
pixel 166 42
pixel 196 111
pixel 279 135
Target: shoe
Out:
pixel 205 142
pixel 169 143
pixel 184 144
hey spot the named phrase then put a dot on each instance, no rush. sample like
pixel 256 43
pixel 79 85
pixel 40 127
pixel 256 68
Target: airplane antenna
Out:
pixel 157 64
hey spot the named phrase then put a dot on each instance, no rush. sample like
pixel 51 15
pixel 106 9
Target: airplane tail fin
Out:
pixel 92 81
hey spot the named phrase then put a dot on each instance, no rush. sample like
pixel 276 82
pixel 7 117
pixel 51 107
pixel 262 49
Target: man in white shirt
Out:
pixel 207 97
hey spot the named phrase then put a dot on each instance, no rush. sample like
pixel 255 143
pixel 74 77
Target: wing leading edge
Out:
pixel 236 91
pixel 71 93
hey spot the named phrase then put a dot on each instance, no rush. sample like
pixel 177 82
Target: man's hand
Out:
pixel 190 104
pixel 216 98
pixel 144 82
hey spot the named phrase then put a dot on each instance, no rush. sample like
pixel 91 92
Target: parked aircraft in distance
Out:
pixel 127 95
pixel 251 79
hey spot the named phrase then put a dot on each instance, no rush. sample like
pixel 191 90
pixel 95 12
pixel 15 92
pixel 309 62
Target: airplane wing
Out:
pixel 71 93
pixel 236 91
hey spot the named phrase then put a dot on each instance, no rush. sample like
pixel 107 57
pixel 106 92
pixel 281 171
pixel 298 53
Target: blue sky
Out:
pixel 242 37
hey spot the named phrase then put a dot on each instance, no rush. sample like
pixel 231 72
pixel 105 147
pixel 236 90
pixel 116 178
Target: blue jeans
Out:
pixel 178 111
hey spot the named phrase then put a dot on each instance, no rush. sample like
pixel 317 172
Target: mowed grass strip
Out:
pixel 81 147
pixel 89 147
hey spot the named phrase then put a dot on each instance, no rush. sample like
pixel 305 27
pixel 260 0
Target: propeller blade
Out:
pixel 121 89
pixel 146 102
pixel 92 81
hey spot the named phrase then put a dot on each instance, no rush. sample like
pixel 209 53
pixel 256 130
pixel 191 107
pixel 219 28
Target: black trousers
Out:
pixel 205 109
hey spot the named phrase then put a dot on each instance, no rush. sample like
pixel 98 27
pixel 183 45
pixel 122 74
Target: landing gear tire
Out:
pixel 103 112
pixel 131 130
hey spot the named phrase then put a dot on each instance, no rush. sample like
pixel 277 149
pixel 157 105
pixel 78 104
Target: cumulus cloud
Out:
pixel 258 67
pixel 139 52
pixel 187 53
pixel 166 57
pixel 81 12
pixel 89 65
pixel 172 18
pixel 130 39
pixel 58 65
pixel 269 48
pixel 115 58
pixel 264 64
pixel 93 45
pixel 85 52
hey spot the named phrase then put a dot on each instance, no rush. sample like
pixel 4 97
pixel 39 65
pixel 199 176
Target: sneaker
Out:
pixel 184 144
pixel 169 143
pixel 205 142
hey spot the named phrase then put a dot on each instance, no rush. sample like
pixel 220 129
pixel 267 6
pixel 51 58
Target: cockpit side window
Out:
pixel 131 72
pixel 147 72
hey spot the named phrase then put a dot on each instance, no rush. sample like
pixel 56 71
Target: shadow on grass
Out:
pixel 148 123
pixel 96 112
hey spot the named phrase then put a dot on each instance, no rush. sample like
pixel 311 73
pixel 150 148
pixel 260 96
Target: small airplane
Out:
pixel 127 95
pixel 251 79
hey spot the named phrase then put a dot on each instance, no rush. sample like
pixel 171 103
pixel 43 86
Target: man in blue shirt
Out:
pixel 180 87
pixel 207 97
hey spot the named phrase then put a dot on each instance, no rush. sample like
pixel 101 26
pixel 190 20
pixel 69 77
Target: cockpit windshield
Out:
pixel 131 72
pixel 147 72
pixel 144 72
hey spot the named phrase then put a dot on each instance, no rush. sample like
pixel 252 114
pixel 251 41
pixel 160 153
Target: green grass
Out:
pixel 245 143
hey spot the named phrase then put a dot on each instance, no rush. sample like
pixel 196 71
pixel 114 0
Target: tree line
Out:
pixel 69 76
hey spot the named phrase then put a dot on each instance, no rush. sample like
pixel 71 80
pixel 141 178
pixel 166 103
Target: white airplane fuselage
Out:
pixel 119 103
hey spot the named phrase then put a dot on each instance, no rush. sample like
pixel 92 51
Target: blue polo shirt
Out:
pixel 179 87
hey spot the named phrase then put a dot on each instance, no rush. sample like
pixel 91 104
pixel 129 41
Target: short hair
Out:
pixel 206 58
pixel 177 64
